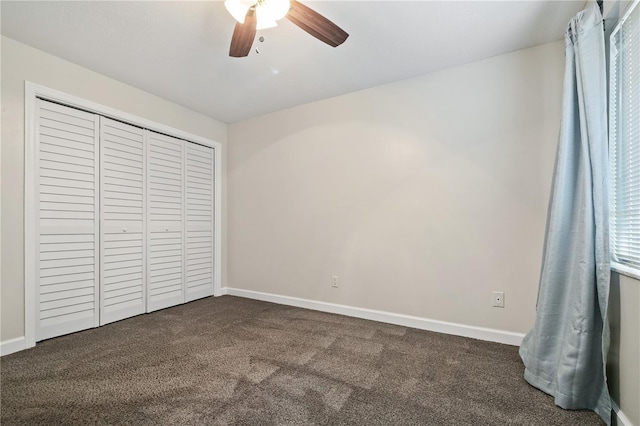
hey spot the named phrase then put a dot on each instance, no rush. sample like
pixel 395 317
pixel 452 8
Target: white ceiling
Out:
pixel 179 49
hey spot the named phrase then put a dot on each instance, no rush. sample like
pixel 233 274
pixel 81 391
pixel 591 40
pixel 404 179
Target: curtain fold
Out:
pixel 566 351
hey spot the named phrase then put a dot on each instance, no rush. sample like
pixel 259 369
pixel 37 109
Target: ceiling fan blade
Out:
pixel 243 35
pixel 316 24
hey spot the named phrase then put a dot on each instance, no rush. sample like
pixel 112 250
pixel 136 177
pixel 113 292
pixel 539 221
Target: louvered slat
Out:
pixel 67 141
pixel 165 197
pixel 199 161
pixel 123 281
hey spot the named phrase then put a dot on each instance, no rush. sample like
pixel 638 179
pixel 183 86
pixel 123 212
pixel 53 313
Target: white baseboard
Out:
pixel 621 419
pixel 13 345
pixel 481 333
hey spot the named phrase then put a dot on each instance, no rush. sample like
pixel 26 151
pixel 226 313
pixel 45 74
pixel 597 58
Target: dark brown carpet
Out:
pixel 233 361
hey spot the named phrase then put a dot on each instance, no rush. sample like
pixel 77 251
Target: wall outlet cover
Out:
pixel 334 281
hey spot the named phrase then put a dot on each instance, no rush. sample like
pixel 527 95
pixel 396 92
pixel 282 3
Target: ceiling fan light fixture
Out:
pixel 262 14
pixel 272 10
pixel 263 24
pixel 238 9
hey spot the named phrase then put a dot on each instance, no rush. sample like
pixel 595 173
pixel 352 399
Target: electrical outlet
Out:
pixel 334 281
pixel 498 299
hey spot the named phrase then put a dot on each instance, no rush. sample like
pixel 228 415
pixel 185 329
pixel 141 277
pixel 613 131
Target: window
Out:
pixel 624 142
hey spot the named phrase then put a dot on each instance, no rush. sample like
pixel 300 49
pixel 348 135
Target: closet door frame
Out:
pixel 31 164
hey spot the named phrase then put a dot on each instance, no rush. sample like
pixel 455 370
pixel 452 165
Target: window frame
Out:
pixel 616 266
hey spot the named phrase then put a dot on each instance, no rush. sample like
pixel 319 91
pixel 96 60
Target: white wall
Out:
pixel 422 195
pixel 623 369
pixel 19 63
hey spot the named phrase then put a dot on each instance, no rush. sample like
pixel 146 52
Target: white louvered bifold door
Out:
pixel 68 182
pixel 199 210
pixel 165 221
pixel 122 269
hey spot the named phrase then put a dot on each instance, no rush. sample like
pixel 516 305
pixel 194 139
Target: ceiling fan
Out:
pixel 253 15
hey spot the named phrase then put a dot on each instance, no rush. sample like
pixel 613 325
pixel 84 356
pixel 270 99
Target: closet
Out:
pixel 125 220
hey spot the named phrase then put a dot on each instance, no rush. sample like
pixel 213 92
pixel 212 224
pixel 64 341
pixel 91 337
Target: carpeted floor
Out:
pixel 233 361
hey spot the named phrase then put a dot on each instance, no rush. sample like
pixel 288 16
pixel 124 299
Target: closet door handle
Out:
pixel 124 229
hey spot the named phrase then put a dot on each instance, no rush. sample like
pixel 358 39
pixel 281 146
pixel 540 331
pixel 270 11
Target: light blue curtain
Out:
pixel 565 352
